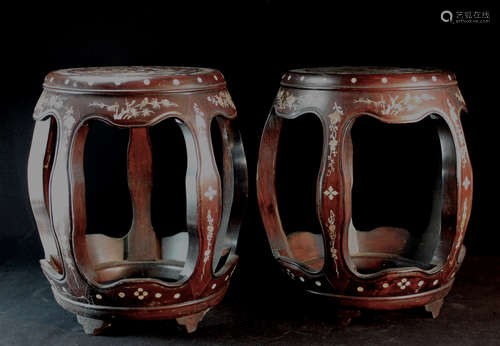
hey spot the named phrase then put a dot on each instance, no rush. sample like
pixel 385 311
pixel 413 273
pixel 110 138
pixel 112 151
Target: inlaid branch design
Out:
pixel 222 99
pixel 133 109
pixel 333 129
pixel 285 99
pixel 210 234
pixel 396 104
pixel 333 238
pixel 462 152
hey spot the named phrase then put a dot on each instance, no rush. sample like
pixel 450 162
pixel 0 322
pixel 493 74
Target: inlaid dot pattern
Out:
pixel 121 295
pixel 384 80
pixel 214 285
pixel 301 279
pixel 434 79
pixel 177 296
pixel 385 285
pixel 215 77
pixel 360 289
pixel 435 282
pixel 317 283
pixel 147 82
pixel 176 82
pixel 157 295
pixel 98 296
pixel 199 79
pixel 354 80
pixel 413 79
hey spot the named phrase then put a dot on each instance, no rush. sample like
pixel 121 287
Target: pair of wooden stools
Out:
pixel 145 276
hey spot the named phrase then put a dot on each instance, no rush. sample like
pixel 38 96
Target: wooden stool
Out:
pixel 372 269
pixel 99 277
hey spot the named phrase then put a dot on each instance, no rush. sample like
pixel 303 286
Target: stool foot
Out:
pixel 92 326
pixel 190 322
pixel 345 316
pixel 435 307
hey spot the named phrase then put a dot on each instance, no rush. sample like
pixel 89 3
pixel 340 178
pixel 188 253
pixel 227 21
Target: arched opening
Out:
pixel 298 162
pixel 140 198
pixel 403 194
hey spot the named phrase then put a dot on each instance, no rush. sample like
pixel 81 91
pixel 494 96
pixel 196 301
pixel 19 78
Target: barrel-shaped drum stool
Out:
pixel 139 275
pixel 386 267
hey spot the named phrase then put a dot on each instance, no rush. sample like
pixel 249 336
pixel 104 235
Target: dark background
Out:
pixel 252 45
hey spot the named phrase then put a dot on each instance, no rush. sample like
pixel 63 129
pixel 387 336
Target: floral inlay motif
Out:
pixel 285 99
pixel 403 284
pixel 333 238
pixel 462 224
pixel 47 102
pixel 210 193
pixel 459 96
pixel 466 183
pixel 210 234
pixel 134 109
pixel 333 129
pixel 222 99
pixel 141 293
pixel 330 192
pixel 396 104
pixel 200 117
pixel 454 116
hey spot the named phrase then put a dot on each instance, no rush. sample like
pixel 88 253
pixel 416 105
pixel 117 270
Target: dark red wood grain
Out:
pixel 338 96
pixel 135 98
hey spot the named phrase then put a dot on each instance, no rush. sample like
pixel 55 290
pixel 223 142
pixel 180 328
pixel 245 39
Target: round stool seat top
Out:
pixel 133 79
pixel 352 77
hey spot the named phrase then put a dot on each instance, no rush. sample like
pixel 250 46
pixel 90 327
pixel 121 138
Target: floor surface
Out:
pixel 279 314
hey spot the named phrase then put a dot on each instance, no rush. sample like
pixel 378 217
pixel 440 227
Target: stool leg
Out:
pixel 435 307
pixel 142 242
pixel 190 322
pixel 39 170
pixel 345 316
pixel 92 326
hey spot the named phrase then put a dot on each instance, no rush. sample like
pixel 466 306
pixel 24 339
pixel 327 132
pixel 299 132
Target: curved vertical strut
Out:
pixel 191 200
pixel 266 186
pixel 235 193
pixel 442 221
pixel 142 243
pixel 39 172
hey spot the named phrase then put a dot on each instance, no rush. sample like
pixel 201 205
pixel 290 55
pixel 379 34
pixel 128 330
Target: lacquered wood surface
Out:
pixel 338 96
pixel 112 277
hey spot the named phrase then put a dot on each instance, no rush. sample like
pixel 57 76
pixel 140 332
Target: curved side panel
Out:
pixel 191 201
pixel 62 204
pixel 266 187
pixel 235 184
pixel 310 246
pixel 39 172
pixel 209 194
